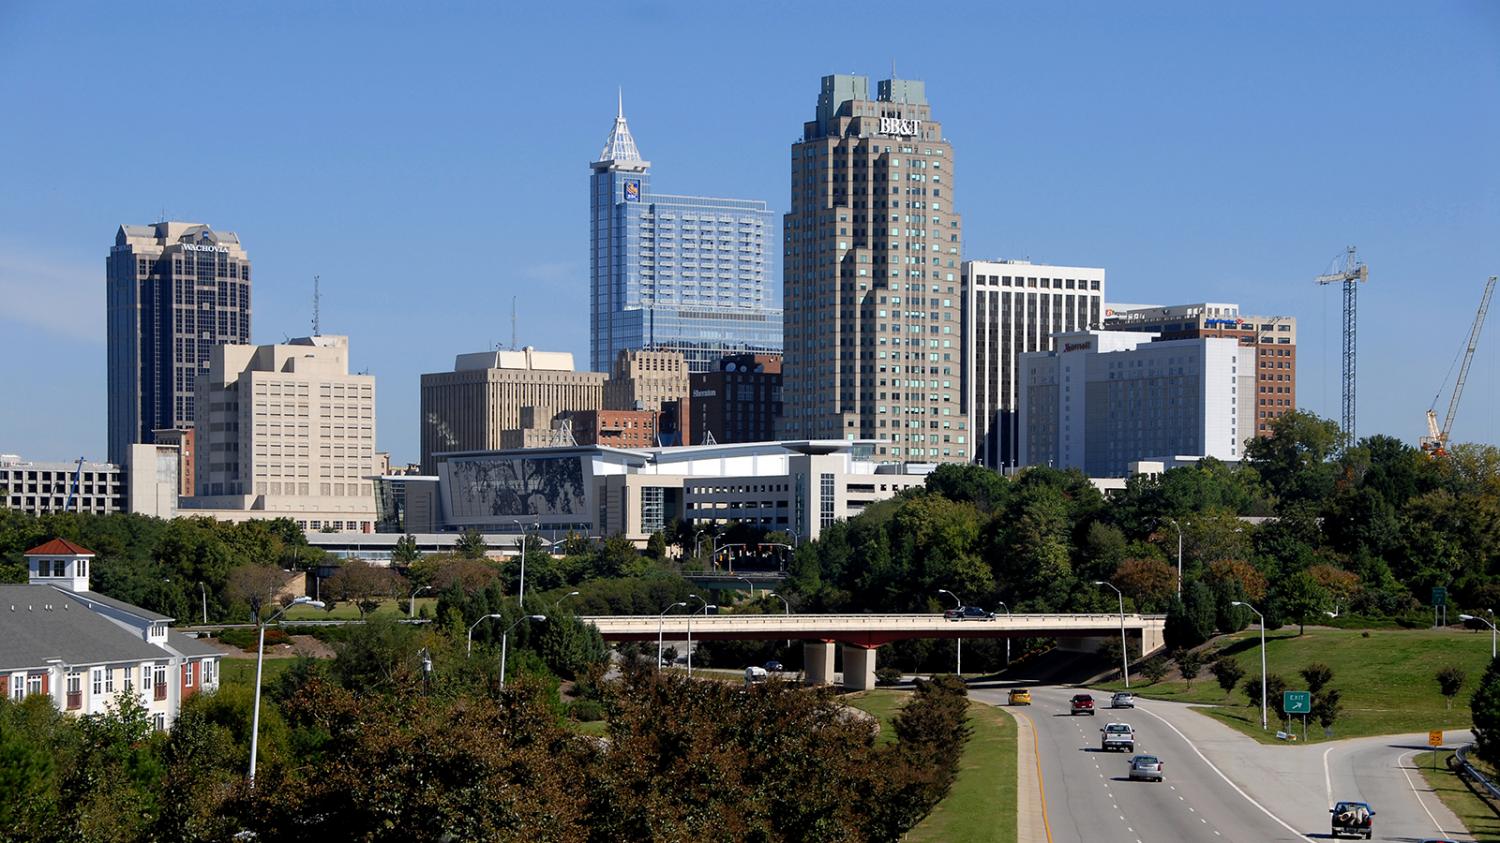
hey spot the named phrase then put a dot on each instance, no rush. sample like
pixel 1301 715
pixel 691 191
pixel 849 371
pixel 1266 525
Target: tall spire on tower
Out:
pixel 620 146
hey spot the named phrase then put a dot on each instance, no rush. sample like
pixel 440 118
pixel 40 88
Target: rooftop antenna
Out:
pixel 512 323
pixel 620 105
pixel 317 302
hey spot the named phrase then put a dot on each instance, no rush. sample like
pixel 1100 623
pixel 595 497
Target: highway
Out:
pixel 1090 797
pixel 1220 785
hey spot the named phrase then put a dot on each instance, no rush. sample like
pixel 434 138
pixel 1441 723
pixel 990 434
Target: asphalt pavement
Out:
pixel 1219 784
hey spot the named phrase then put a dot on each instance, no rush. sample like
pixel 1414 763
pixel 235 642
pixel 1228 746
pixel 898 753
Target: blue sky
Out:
pixel 429 161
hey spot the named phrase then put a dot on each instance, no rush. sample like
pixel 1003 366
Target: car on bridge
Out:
pixel 1145 768
pixel 969 613
pixel 1019 696
pixel 1081 704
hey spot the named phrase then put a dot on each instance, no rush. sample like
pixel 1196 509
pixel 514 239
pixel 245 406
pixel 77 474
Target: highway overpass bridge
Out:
pixel 862 635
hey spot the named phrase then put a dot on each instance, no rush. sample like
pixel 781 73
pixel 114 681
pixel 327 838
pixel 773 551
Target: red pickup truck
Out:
pixel 1082 704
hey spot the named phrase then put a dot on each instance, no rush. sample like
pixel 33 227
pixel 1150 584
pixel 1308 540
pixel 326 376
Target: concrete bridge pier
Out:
pixel 859 667
pixel 817 662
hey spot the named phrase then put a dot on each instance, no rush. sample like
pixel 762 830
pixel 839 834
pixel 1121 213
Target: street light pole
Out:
pixel 690 631
pixel 1007 638
pixel 1262 659
pixel 661 621
pixel 786 606
pixel 1174 523
pixel 1124 648
pixel 749 583
pixel 558 601
pixel 204 592
pixel 504 636
pixel 411 602
pixel 469 651
pixel 1489 624
pixel 521 592
pixel 959 667
pixel 260 660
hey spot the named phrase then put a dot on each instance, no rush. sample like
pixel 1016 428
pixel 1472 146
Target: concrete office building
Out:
pixel 1101 400
pixel 286 432
pixel 470 407
pixel 797 487
pixel 691 274
pixel 737 402
pixel 1274 339
pixel 146 484
pixel 643 380
pixel 182 440
pixel 873 293
pixel 174 290
pixel 1012 307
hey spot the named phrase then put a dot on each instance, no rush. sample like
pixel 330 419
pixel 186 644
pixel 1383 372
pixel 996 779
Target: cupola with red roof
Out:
pixel 61 563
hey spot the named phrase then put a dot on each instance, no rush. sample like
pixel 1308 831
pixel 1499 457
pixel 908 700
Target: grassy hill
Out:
pixel 1385 676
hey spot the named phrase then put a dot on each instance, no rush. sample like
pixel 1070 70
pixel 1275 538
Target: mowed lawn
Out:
pixel 236 671
pixel 1473 811
pixel 981 806
pixel 1387 679
pixel 346 611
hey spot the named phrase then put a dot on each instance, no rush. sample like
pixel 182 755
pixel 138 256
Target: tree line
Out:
pixel 372 747
pixel 1307 527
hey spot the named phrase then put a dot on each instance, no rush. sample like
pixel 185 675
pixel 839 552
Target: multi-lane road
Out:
pixel 1220 785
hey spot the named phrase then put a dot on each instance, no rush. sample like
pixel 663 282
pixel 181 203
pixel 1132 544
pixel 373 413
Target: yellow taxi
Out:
pixel 1020 696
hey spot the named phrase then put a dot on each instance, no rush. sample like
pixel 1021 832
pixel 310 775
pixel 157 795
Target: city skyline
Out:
pixel 1238 181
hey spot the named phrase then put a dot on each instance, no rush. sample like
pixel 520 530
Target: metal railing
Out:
pixel 850 622
pixel 1467 769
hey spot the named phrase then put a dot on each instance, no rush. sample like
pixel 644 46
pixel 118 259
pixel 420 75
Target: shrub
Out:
pixel 887 676
pixel 1228 672
pixel 246 639
pixel 1450 681
pixel 1485 705
pixel 1189 663
pixel 586 711
pixel 1154 669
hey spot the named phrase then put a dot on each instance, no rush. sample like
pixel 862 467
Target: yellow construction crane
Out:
pixel 1435 443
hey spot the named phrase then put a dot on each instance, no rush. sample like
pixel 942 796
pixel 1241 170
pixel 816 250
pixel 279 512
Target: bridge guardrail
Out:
pixel 1041 622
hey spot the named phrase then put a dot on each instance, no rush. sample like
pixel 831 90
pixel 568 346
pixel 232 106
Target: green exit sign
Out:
pixel 1439 596
pixel 1296 702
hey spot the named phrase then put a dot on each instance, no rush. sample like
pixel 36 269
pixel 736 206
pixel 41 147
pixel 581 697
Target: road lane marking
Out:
pixel 1401 762
pixel 1041 786
pixel 1248 798
pixel 1327 780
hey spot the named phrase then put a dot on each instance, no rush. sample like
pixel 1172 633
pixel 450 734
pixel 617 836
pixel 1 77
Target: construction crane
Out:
pixel 73 491
pixel 1351 274
pixel 1435 443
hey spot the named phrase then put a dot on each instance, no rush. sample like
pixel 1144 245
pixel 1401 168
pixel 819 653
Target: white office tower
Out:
pixel 1101 400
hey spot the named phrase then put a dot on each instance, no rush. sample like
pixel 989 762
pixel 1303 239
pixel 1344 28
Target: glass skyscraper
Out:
pixel 676 273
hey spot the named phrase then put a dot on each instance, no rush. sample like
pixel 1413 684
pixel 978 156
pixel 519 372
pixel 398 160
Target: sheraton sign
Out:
pixel 898 126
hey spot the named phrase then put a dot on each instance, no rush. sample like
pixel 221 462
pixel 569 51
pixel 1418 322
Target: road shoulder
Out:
pixel 1031 800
